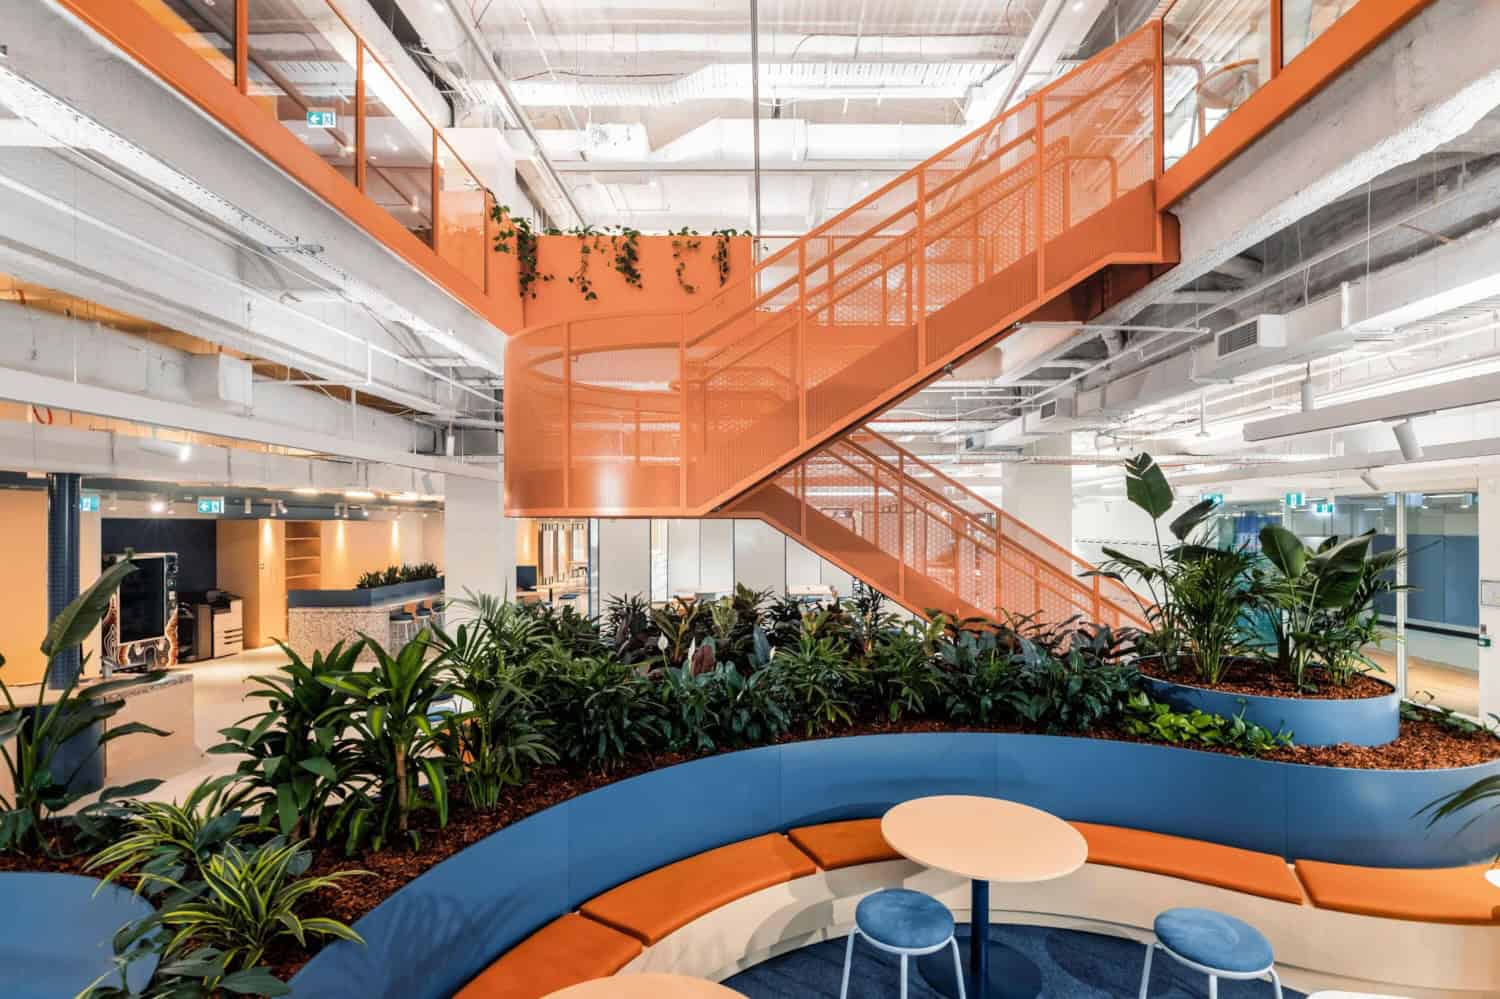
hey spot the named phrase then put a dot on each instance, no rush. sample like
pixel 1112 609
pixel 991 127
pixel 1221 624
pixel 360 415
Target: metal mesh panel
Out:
pixel 836 324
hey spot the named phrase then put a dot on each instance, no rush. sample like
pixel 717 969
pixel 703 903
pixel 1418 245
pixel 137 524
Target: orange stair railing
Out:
pixel 927 541
pixel 678 414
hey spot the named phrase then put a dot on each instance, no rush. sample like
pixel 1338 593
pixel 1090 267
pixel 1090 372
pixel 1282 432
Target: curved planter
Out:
pixel 1366 721
pixel 437 932
pixel 57 936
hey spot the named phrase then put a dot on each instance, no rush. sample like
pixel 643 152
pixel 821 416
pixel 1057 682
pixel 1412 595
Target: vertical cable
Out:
pixel 755 113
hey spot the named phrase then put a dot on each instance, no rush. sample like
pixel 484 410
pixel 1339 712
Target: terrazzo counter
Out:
pixel 312 629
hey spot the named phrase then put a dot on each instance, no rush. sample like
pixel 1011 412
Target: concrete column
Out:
pixel 479 541
pixel 63 490
pixel 1489 617
pixel 1041 496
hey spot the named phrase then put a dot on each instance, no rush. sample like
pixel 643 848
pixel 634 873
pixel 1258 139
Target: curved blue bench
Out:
pixel 57 936
pixel 435 934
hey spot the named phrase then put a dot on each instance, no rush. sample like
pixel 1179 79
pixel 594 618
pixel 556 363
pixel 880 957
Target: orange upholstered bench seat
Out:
pixel 1228 867
pixel 1440 895
pixel 568 950
pixel 660 901
pixel 843 844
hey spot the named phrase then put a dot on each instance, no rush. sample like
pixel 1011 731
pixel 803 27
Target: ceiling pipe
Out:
pixel 471 31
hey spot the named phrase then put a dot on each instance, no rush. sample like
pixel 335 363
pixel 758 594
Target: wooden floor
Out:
pixel 1450 687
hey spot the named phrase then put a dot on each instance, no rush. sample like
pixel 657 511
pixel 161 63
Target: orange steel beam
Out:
pixel 1345 42
pixel 130 28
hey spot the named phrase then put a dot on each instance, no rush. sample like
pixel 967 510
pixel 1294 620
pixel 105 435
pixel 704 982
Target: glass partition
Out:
pixel 1302 21
pixel 1442 617
pixel 398 152
pixel 205 26
pixel 303 67
pixel 462 211
pixel 1216 54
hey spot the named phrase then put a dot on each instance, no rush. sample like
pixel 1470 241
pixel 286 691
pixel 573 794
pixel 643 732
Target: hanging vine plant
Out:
pixel 588 241
pixel 721 251
pixel 626 244
pixel 515 235
pixel 684 241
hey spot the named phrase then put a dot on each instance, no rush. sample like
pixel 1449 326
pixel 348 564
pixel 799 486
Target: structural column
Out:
pixel 1489 617
pixel 1041 495
pixel 63 491
pixel 479 541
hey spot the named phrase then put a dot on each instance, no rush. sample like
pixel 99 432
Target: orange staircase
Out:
pixel 925 540
pixel 1048 212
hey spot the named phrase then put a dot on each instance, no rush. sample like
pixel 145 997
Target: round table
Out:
pixel 647 987
pixel 984 840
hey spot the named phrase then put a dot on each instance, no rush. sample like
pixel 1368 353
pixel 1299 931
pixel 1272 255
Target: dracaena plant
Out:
pixel 393 742
pixel 173 841
pixel 1147 488
pixel 296 758
pixel 40 743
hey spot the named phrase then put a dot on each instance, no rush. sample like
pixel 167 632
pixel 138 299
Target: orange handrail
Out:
pixel 840 501
pixel 875 301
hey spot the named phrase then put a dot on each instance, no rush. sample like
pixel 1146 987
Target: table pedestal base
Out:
pixel 1011 974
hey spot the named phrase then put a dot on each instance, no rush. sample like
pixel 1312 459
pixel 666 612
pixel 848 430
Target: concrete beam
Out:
pixel 1424 86
pixel 71 62
pixel 65 394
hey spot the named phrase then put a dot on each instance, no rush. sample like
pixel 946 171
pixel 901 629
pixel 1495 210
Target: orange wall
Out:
pixel 351 549
pixel 557 300
pixel 23 613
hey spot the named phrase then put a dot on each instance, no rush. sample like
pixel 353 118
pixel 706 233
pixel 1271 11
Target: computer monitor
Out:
pixel 525 578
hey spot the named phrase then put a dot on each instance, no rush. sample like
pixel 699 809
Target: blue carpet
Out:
pixel 1074 966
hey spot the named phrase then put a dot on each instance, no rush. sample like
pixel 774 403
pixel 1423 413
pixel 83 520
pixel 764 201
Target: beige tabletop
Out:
pixel 984 839
pixel 647 987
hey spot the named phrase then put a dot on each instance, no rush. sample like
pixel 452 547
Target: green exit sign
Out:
pixel 210 504
pixel 1294 499
pixel 322 119
pixel 1322 508
pixel 88 503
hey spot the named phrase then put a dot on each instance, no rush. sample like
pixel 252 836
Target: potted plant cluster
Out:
pixel 1279 632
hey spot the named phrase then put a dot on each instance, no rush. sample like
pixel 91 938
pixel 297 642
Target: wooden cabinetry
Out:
pixel 252 563
pixel 304 555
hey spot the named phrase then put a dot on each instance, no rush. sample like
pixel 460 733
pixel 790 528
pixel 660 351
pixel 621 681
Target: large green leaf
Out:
pixel 1146 486
pixel 1183 524
pixel 83 615
pixel 1345 556
pixel 1284 549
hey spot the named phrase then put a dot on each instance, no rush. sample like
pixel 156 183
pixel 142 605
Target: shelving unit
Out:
pixel 304 555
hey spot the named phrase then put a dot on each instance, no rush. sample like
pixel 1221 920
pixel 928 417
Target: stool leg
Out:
pixel 958 968
pixel 903 976
pixel 1146 971
pixel 1276 983
pixel 1213 987
pixel 848 960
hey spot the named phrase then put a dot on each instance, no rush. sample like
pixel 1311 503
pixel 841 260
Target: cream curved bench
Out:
pixel 717 913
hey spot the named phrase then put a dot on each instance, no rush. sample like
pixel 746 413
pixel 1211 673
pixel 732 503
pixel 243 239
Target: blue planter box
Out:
pixel 1367 721
pixel 436 933
pixel 57 934
pixel 365 598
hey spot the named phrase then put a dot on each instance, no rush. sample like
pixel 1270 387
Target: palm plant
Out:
pixel 1208 592
pixel 496 734
pixel 818 679
pixel 41 744
pixel 392 742
pixel 296 755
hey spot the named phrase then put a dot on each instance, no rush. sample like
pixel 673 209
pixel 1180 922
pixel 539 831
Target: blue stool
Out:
pixel 1220 946
pixel 904 922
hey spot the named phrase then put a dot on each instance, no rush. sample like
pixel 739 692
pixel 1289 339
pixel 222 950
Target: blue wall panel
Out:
pixel 440 930
pixel 640 824
pixel 860 777
pixel 1461 581
pixel 446 926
